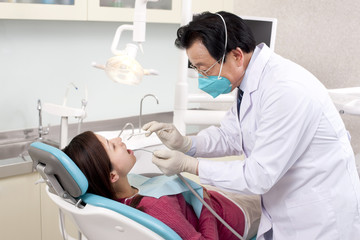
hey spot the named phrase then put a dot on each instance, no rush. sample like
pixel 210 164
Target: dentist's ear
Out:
pixel 114 176
pixel 239 56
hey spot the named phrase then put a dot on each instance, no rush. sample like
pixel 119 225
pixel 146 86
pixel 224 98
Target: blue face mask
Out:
pixel 214 85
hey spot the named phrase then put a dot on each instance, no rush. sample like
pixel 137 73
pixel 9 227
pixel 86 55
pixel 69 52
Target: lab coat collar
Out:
pixel 260 57
pixel 244 82
pixel 251 80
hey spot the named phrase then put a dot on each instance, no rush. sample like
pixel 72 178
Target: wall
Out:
pixel 38 60
pixel 322 36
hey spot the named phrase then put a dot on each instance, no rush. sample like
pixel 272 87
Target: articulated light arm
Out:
pixel 138 28
pixel 123 68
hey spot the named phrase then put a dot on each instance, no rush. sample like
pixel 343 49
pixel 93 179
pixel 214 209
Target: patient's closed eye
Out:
pixel 110 144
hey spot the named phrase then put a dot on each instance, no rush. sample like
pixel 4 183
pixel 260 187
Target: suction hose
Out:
pixel 209 208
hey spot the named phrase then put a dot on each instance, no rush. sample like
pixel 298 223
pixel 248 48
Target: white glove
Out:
pixel 174 162
pixel 169 135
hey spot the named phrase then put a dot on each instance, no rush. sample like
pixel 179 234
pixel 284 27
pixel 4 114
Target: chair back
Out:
pixel 96 217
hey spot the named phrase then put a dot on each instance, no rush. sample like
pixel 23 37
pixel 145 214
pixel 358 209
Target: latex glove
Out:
pixel 174 162
pixel 169 136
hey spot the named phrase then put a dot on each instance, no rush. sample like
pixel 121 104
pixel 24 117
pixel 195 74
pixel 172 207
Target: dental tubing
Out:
pixel 209 208
pixel 201 200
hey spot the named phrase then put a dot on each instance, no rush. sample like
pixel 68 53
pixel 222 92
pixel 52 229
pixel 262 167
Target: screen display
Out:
pixel 262 30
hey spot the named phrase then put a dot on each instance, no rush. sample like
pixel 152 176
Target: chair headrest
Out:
pixel 60 173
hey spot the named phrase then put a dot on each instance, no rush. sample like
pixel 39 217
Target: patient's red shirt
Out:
pixel 180 216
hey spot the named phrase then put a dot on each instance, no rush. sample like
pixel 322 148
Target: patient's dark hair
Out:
pixel 209 29
pixel 90 156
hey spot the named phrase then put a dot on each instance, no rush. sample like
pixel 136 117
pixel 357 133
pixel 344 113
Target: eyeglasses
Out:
pixel 205 72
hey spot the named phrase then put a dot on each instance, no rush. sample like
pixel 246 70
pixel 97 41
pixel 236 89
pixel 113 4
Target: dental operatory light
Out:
pixel 123 67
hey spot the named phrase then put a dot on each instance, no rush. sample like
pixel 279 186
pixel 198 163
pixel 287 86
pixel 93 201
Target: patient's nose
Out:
pixel 121 143
pixel 116 140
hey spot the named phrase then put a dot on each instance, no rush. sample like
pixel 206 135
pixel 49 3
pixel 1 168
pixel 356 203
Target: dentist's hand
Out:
pixel 169 135
pixel 174 162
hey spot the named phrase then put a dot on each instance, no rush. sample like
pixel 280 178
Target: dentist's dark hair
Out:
pixel 209 28
pixel 90 156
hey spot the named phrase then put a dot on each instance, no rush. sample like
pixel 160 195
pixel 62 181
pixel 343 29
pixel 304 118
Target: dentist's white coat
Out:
pixel 298 154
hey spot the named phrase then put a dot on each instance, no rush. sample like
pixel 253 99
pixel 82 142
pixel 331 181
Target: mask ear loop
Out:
pixel 223 58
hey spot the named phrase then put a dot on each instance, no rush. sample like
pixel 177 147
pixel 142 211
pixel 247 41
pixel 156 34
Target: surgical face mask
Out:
pixel 214 85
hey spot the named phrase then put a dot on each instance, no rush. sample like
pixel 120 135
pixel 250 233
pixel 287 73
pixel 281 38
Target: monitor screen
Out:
pixel 264 29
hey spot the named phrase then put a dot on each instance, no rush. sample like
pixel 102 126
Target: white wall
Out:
pixel 38 59
pixel 322 36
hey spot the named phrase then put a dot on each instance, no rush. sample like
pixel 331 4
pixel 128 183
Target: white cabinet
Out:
pixel 75 10
pixel 168 12
pixel 93 10
pixel 164 11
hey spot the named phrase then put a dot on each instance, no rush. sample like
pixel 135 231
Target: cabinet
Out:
pixel 27 212
pixel 75 10
pixel 20 207
pixel 169 11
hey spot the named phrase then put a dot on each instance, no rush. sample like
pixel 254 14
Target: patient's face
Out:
pixel 122 159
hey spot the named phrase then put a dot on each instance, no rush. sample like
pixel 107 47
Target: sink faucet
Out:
pixel 41 131
pixel 140 116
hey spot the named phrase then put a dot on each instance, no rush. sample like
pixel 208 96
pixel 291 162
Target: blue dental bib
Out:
pixel 163 185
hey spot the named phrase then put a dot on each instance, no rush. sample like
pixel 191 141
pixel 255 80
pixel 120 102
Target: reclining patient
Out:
pixel 106 164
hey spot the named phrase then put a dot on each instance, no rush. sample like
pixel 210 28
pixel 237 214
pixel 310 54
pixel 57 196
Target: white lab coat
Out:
pixel 297 153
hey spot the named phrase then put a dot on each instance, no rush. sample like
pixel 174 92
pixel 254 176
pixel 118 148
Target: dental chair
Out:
pixel 96 217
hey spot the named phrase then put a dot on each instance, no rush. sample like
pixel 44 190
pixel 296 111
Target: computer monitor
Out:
pixel 264 29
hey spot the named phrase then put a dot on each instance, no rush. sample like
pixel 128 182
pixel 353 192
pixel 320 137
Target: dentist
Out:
pixel 297 151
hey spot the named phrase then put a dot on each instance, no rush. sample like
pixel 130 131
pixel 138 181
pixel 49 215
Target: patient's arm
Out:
pixel 178 215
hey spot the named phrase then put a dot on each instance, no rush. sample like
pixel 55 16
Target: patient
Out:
pixel 106 164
